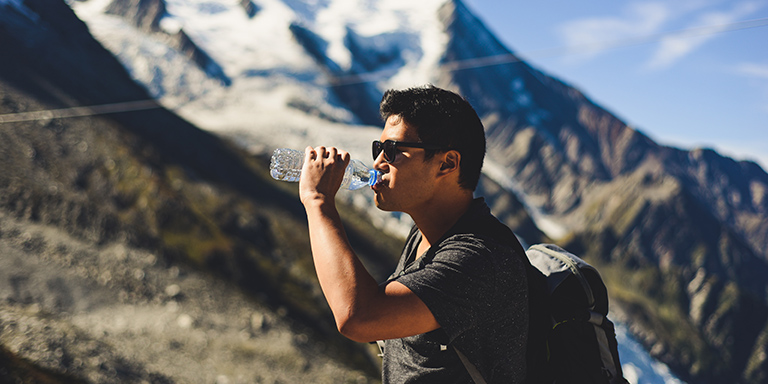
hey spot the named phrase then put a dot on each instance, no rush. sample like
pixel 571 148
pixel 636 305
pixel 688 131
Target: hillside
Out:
pixel 136 247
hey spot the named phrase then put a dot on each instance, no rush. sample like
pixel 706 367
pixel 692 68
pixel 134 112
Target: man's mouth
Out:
pixel 381 183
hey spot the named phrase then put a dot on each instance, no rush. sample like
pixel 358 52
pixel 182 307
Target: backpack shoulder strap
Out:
pixel 473 372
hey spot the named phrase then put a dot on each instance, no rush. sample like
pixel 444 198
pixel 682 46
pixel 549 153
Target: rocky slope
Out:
pixel 136 248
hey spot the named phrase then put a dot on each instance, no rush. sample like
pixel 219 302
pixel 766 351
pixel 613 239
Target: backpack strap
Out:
pixel 473 372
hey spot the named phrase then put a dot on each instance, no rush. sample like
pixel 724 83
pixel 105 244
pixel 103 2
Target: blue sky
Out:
pixel 688 73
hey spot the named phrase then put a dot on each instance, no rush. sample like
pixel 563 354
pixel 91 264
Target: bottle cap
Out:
pixel 373 177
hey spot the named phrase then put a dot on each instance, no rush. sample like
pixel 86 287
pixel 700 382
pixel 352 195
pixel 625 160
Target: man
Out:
pixel 460 286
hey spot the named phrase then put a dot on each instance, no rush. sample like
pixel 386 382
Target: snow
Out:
pixel 269 70
pixel 638 366
pixel 171 25
pixel 239 43
pixel 546 223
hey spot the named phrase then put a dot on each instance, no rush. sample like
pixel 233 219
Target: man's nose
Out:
pixel 379 164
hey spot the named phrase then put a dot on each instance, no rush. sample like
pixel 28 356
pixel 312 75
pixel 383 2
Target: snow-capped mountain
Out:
pixel 270 59
pixel 686 229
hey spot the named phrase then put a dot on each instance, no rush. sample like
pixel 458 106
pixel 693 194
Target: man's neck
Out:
pixel 435 221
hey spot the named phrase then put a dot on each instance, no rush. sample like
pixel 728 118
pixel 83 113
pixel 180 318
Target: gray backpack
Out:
pixel 580 341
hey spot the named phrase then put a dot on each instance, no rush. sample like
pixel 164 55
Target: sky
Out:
pixel 687 73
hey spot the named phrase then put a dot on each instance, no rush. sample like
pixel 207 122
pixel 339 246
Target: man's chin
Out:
pixel 380 204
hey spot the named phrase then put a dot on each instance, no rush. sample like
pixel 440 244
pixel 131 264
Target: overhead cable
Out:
pixel 92 110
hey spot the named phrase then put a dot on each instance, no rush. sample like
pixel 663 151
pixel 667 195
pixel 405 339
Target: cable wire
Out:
pixel 92 110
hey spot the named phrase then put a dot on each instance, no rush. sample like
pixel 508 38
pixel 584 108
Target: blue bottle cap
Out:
pixel 373 177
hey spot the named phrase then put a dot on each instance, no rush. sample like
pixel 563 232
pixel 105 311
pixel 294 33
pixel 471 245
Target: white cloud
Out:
pixel 757 74
pixel 753 70
pixel 646 21
pixel 705 28
pixel 591 35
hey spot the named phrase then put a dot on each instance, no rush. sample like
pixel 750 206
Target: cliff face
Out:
pixel 147 15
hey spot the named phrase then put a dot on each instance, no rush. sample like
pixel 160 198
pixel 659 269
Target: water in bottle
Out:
pixel 286 166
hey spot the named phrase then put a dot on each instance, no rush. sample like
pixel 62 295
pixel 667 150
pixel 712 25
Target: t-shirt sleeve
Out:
pixel 458 284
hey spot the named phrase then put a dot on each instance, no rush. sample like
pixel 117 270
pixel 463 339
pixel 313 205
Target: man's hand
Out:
pixel 322 173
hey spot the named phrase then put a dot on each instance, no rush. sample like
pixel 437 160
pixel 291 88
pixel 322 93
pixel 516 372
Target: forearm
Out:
pixel 346 283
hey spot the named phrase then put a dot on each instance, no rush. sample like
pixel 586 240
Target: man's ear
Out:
pixel 450 162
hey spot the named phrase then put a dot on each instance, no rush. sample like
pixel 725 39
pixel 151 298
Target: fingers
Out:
pixel 331 153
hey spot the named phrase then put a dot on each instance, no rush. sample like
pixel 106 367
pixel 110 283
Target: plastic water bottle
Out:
pixel 286 166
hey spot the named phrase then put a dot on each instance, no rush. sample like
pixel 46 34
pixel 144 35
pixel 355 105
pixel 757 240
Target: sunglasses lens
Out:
pixel 376 149
pixel 390 151
pixel 388 147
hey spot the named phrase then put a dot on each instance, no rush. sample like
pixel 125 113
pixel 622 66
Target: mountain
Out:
pixel 135 247
pixel 678 235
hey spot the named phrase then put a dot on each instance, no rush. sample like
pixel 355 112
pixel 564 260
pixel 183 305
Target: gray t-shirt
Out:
pixel 474 283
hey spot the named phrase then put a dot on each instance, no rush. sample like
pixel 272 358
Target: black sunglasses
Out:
pixel 390 148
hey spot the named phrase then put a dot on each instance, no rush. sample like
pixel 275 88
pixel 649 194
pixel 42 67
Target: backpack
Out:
pixel 570 337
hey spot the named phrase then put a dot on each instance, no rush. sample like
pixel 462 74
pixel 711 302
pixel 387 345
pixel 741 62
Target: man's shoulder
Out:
pixel 479 223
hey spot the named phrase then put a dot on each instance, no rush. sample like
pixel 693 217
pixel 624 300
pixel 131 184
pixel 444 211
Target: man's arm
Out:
pixel 363 310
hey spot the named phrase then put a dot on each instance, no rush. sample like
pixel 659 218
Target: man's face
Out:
pixel 406 181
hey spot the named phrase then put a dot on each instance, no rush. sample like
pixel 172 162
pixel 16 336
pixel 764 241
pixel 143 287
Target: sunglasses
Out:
pixel 389 147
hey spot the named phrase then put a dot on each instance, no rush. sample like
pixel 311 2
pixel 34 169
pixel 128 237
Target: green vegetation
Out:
pixel 652 300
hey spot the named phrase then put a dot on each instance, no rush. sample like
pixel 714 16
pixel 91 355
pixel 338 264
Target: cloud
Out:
pixel 646 21
pixel 706 27
pixel 755 70
pixel 591 35
pixel 759 74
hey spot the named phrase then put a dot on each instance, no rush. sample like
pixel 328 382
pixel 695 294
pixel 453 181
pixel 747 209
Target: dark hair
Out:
pixel 444 118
